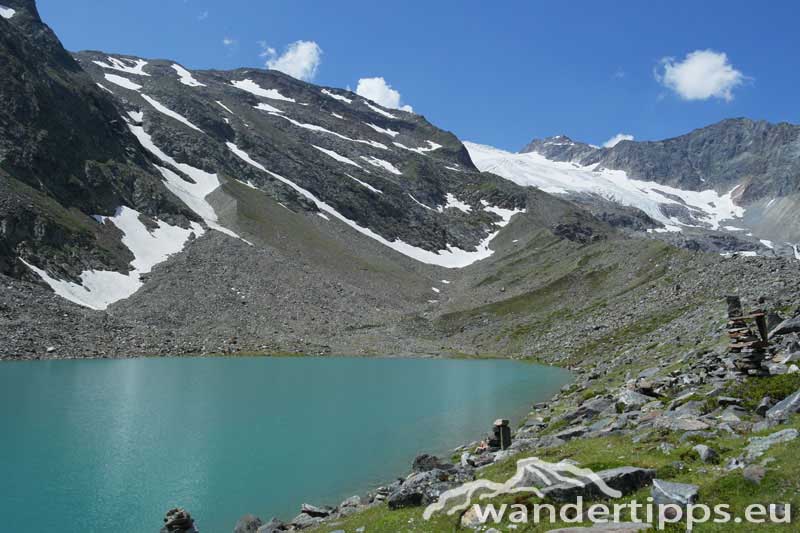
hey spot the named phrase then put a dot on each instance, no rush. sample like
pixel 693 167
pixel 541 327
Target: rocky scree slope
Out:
pixel 199 212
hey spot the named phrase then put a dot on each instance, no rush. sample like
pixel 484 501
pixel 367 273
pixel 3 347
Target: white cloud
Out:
pixel 300 60
pixel 613 141
pixel 266 49
pixel 703 74
pixel 229 41
pixel 377 90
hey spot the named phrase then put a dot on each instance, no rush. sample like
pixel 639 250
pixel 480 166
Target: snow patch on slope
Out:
pixel 454 202
pixel 101 288
pixel 451 257
pixel 320 129
pixel 365 184
pixel 266 107
pixel 192 194
pixel 125 83
pixel 129 66
pixel 336 156
pixel 186 77
pixel 533 169
pixel 422 149
pixel 161 108
pixel 379 111
pixel 6 12
pixel 385 131
pixel 223 106
pixel 253 88
pixel 335 96
pixel 380 163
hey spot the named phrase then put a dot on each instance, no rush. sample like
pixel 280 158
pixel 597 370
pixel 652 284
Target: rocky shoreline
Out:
pixel 685 400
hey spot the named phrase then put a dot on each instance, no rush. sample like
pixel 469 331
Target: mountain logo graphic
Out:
pixel 533 476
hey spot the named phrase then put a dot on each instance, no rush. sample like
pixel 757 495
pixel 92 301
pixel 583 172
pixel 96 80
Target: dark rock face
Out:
pixel 65 154
pixel 286 135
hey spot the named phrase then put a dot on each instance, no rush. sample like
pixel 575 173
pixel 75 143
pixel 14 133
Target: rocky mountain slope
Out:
pixel 149 209
pixel 753 166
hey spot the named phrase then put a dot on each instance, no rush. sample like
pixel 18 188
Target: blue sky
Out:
pixel 498 73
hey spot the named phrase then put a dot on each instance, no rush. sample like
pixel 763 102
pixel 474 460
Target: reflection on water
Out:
pixel 88 442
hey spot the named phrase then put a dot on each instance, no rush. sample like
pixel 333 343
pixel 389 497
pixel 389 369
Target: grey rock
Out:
pixel 764 405
pixel 248 524
pixel 754 473
pixel 681 424
pixel 706 454
pixel 426 463
pixel 764 425
pixel 667 492
pixel 273 526
pixel 790 325
pixel 788 406
pixel 571 433
pixel 313 510
pixel 630 400
pixel 725 401
pixel 178 520
pixel 590 408
pixel 423 488
pixel 305 521
pixel 758 446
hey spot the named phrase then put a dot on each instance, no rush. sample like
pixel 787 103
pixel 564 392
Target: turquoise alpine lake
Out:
pixel 111 445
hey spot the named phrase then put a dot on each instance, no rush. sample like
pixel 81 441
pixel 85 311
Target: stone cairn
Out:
pixel 501 435
pixel 178 521
pixel 749 338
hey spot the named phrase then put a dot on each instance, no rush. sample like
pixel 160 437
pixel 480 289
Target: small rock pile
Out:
pixel 178 520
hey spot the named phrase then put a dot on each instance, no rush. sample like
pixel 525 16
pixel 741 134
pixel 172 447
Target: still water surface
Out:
pixel 98 445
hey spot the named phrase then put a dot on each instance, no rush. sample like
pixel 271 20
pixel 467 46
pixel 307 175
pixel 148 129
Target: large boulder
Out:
pixel 629 400
pixel 426 463
pixel 350 506
pixel 313 510
pixel 590 408
pixel 788 406
pixel 625 479
pixel 422 488
pixel 790 325
pixel 305 521
pixel 706 454
pixel 248 524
